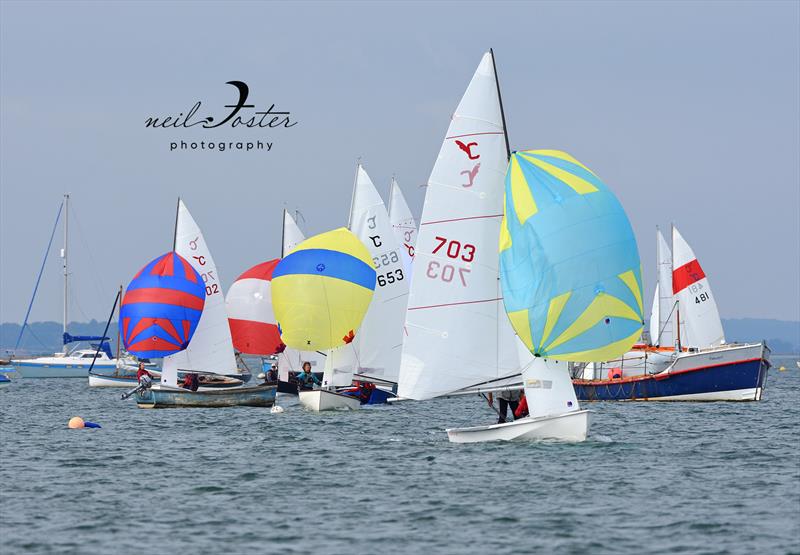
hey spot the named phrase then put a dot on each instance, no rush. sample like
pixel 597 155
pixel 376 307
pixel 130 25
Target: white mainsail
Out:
pixel 403 223
pixel 458 334
pixel 211 348
pixel 665 335
pixel 378 342
pixel 291 360
pixel 654 318
pixel 292 236
pixel 375 351
pixel 698 309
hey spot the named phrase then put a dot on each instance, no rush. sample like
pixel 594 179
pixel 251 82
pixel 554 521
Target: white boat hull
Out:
pixel 319 400
pixel 97 380
pixel 63 370
pixel 571 427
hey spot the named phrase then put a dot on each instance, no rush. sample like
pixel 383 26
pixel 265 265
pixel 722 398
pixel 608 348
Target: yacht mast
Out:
pixel 65 264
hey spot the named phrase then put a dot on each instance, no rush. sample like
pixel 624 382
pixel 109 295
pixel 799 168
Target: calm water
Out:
pixel 671 478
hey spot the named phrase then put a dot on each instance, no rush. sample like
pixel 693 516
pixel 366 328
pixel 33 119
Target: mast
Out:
pixel 64 254
pixel 672 288
pixel 391 196
pixel 283 233
pixel 500 308
pixel 175 233
pixel 353 198
pixel 119 309
pixel 500 100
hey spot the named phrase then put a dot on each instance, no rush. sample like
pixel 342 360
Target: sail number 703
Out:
pixel 457 251
pixel 454 249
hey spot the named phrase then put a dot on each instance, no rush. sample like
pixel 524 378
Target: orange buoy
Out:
pixel 75 422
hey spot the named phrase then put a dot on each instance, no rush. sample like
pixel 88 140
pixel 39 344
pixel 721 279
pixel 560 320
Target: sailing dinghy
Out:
pixel 458 338
pixel 69 363
pixel 572 287
pixel 373 357
pixel 175 308
pixel 321 291
pixel 290 361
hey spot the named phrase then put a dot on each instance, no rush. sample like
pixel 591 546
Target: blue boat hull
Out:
pixel 160 397
pixel 734 381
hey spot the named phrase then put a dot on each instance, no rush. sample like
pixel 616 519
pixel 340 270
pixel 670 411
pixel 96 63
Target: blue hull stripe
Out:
pixel 713 379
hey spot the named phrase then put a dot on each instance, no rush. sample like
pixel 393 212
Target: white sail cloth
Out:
pixel 403 224
pixel 698 309
pixel 457 330
pixel 291 360
pixel 375 351
pixel 211 348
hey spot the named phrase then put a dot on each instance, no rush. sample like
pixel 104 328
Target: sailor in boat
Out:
pixel 142 371
pixel 190 381
pixel 522 409
pixel 306 379
pixel 506 398
pixel 361 390
pixel 272 374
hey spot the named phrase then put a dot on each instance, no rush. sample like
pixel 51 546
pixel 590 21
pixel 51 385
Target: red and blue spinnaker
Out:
pixel 161 307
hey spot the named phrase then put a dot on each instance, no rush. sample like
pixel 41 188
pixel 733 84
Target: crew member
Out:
pixel 306 379
pixel 506 398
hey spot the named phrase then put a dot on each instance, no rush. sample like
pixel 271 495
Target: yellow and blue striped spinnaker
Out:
pixel 321 291
pixel 569 264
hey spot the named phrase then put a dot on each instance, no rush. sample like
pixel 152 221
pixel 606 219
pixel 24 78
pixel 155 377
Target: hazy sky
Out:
pixel 689 111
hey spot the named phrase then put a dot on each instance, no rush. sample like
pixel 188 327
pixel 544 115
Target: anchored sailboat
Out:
pixel 67 363
pixel 687 358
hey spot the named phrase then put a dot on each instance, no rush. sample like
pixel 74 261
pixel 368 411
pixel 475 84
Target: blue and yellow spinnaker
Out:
pixel 569 263
pixel 321 291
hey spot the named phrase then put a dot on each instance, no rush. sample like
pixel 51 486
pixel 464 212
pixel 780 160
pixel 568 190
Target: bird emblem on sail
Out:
pixel 471 175
pixel 569 263
pixel 162 307
pixel 467 148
